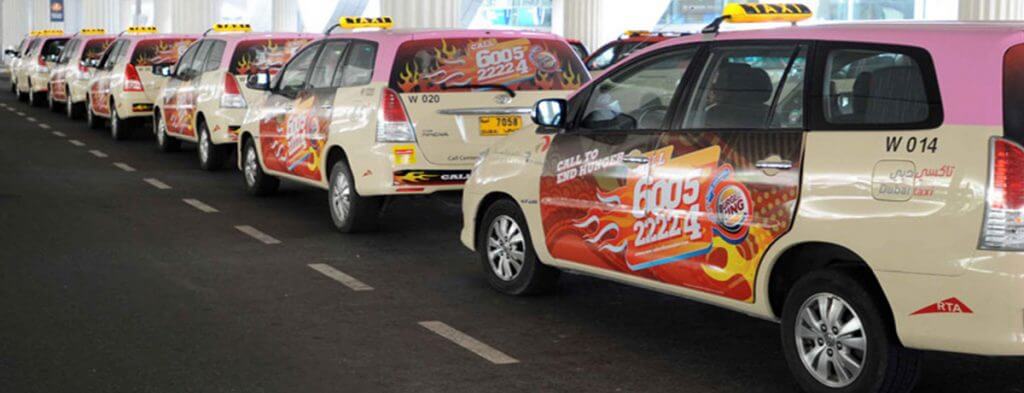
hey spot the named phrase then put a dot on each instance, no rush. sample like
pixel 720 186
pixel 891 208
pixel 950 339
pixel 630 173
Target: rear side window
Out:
pixel 879 88
pixel 254 56
pixel 159 51
pixel 358 68
pixel 522 64
pixel 69 50
pixel 94 48
pixel 214 57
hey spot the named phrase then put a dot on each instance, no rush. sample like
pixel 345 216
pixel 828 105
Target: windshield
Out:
pixel 520 64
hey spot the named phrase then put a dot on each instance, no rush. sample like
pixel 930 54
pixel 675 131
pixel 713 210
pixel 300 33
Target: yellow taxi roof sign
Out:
pixel 232 27
pixel 89 31
pixel 760 13
pixel 349 22
pixel 47 32
pixel 141 30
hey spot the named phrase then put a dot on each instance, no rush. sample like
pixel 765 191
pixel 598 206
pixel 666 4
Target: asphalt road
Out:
pixel 110 283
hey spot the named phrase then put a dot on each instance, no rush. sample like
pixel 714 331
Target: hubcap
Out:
pixel 204 145
pixel 831 340
pixel 506 248
pixel 161 131
pixel 341 193
pixel 68 105
pixel 250 166
pixel 113 121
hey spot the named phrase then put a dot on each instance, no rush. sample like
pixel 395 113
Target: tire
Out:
pixel 70 108
pixel 510 243
pixel 350 212
pixel 118 127
pixel 21 96
pixel 95 122
pixel 885 365
pixel 257 182
pixel 33 98
pixel 164 142
pixel 211 156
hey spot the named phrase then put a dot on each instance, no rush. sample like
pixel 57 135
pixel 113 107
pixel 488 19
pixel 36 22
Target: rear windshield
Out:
pixel 264 55
pixel 94 48
pixel 457 64
pixel 54 46
pixel 159 51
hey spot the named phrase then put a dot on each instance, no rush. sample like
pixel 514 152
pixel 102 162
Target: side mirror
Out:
pixel 11 52
pixel 550 114
pixel 258 81
pixel 52 58
pixel 164 70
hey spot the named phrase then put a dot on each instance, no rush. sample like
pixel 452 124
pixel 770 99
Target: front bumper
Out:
pixel 979 312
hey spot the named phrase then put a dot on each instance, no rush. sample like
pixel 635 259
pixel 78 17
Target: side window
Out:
pixel 739 88
pixel 69 49
pixel 358 68
pixel 637 97
pixel 327 64
pixel 111 57
pixel 186 61
pixel 603 58
pixel 215 56
pixel 293 78
pixel 196 65
pixel 873 88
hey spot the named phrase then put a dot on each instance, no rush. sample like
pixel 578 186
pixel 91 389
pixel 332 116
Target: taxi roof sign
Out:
pixel 760 13
pixel 141 30
pixel 47 32
pixel 348 22
pixel 90 31
pixel 232 27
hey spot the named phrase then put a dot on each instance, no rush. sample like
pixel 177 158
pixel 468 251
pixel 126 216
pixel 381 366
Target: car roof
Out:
pixel 399 35
pixel 157 36
pixel 232 37
pixel 966 55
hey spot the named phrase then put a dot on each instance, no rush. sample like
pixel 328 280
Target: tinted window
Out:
pixel 611 54
pixel 185 65
pixel 264 55
pixel 215 56
pixel 54 46
pixel 327 64
pixel 94 48
pixel 293 78
pixel 739 88
pixel 874 87
pixel 31 45
pixel 196 65
pixel 159 51
pixel 358 68
pixel 519 63
pixel 637 97
pixel 68 51
pixel 110 57
pixel 1013 94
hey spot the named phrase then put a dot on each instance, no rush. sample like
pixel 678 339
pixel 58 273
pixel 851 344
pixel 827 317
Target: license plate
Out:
pixel 499 125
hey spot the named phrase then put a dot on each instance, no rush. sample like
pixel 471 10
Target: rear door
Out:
pixel 736 155
pixel 463 94
pixel 596 192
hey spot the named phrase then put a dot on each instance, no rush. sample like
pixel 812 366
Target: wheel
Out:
pixel 95 122
pixel 837 337
pixel 211 156
pixel 70 109
pixel 51 104
pixel 350 211
pixel 507 255
pixel 257 182
pixel 164 142
pixel 33 98
pixel 118 127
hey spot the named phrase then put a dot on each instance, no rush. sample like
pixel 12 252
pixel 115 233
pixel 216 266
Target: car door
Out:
pixel 313 111
pixel 284 116
pixel 595 191
pixel 100 91
pixel 177 97
pixel 736 155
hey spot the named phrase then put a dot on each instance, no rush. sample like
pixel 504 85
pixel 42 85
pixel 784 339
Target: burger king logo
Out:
pixel 732 211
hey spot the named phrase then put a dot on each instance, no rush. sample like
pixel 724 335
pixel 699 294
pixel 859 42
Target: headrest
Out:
pixel 897 95
pixel 741 83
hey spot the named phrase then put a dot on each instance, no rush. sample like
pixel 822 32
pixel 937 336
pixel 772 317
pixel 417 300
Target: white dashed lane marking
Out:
pixel 59 134
pixel 469 343
pixel 257 234
pixel 31 119
pixel 157 183
pixel 200 205
pixel 345 279
pixel 44 126
pixel 124 167
pixel 20 113
pixel 98 153
pixel 77 142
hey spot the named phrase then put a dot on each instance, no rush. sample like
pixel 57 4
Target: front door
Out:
pixel 598 205
pixel 287 119
pixel 179 94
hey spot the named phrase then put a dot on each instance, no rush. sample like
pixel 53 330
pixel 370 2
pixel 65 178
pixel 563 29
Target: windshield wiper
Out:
pixel 511 93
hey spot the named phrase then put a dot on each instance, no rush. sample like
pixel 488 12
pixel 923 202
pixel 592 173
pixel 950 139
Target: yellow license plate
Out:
pixel 499 125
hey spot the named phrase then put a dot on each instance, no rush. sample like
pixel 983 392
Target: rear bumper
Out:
pixel 979 312
pixel 400 169
pixel 132 105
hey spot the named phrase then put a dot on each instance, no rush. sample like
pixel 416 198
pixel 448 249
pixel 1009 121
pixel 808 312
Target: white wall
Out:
pixel 423 13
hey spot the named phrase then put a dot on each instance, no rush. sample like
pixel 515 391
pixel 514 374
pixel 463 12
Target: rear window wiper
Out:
pixel 511 93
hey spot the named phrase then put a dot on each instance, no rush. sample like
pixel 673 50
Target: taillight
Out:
pixel 132 82
pixel 1003 226
pixel 83 69
pixel 392 120
pixel 42 64
pixel 232 97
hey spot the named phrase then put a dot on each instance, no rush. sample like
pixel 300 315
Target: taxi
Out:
pixel 205 99
pixel 857 183
pixel 123 87
pixel 15 57
pixel 613 52
pixel 374 114
pixel 72 71
pixel 32 75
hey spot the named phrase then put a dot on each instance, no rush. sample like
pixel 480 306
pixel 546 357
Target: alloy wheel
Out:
pixel 831 340
pixel 341 196
pixel 251 166
pixel 506 248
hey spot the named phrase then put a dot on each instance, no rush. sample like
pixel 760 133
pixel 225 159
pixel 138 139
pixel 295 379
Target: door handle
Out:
pixel 774 164
pixel 635 160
